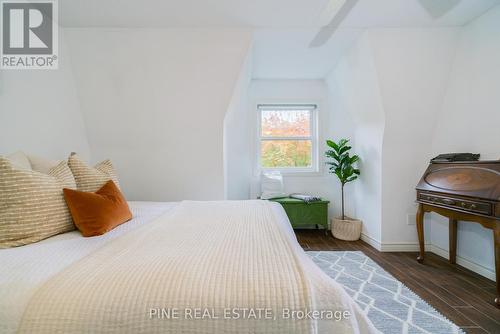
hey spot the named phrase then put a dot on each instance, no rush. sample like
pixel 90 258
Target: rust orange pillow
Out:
pixel 96 213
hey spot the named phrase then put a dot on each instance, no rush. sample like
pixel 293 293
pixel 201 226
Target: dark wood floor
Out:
pixel 462 296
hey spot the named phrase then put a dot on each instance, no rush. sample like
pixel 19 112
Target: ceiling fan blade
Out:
pixel 437 8
pixel 327 31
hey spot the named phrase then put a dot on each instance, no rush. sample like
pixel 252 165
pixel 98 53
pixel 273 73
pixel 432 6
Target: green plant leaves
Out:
pixel 344 149
pixel 332 145
pixel 342 164
pixel 332 154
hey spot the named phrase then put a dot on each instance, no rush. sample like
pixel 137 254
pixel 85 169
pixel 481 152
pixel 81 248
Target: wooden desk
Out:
pixel 462 191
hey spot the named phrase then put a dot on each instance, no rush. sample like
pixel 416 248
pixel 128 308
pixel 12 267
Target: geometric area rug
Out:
pixel 391 306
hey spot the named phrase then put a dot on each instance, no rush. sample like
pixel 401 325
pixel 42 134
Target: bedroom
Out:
pixel 195 108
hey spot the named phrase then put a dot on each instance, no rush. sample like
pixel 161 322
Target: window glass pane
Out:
pixel 286 123
pixel 286 153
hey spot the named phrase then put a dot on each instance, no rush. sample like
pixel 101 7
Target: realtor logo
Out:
pixel 29 34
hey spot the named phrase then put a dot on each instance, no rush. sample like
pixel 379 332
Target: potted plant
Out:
pixel 344 166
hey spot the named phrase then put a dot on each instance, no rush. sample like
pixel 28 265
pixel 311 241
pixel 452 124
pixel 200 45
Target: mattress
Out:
pixel 174 256
pixel 24 269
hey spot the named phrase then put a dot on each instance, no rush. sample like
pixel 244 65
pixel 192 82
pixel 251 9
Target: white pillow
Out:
pixel 20 160
pixel 271 185
pixel 42 165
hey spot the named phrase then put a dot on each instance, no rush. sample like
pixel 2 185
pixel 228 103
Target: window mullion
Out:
pixel 287 138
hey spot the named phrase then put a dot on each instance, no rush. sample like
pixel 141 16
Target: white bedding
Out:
pixel 24 269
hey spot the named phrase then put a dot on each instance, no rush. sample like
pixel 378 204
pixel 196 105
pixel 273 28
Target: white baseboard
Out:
pixel 389 246
pixel 475 267
pixel 371 241
pixel 400 247
pixel 413 247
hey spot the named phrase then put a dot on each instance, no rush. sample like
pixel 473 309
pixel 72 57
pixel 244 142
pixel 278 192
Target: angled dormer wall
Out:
pixel 413 67
pixel 237 133
pixel 154 101
pixel 391 84
pixel 432 91
pixel 358 115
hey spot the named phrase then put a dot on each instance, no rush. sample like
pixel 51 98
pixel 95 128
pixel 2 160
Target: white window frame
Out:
pixel 314 108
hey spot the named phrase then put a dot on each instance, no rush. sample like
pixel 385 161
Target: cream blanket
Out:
pixel 205 267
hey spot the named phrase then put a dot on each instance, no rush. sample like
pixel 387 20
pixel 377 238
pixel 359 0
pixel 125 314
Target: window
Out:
pixel 287 137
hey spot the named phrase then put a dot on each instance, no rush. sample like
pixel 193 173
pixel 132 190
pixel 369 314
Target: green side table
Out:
pixel 303 214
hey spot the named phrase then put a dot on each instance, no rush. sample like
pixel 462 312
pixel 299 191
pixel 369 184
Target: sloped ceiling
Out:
pixel 190 13
pixel 409 13
pixel 284 54
pixel 158 96
pixel 283 28
pixel 256 13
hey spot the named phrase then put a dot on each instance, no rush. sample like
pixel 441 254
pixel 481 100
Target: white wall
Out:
pixel 413 67
pixel 237 133
pixel 357 114
pixel 391 83
pixel 469 123
pixel 284 53
pixel 434 90
pixel 298 91
pixel 40 112
pixel 154 101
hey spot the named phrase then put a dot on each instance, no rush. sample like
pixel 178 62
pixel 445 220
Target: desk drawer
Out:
pixel 458 203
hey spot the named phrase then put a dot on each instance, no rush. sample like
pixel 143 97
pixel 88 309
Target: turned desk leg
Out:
pixel 496 233
pixel 453 241
pixel 420 231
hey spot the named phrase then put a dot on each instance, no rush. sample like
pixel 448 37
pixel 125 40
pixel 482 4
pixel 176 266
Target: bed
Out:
pixel 187 267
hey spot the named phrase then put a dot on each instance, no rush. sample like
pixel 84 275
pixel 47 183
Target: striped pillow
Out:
pixel 32 205
pixel 91 178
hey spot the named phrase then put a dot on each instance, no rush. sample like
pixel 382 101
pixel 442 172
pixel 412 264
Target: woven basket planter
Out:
pixel 346 229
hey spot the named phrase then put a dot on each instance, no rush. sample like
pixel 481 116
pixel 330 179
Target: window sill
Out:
pixel 293 173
